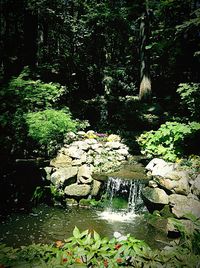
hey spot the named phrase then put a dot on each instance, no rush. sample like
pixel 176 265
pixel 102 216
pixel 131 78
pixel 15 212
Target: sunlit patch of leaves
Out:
pixel 88 249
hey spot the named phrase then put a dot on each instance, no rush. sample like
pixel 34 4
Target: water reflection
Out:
pixel 47 224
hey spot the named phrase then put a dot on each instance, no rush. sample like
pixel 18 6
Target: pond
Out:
pixel 123 212
pixel 47 224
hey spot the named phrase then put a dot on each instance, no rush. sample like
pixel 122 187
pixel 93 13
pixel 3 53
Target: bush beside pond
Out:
pixel 88 249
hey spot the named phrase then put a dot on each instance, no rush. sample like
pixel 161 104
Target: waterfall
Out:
pixel 128 190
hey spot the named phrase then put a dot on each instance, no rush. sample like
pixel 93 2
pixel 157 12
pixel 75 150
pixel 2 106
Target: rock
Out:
pixel 180 187
pixel 69 137
pixel 71 202
pixel 89 159
pixel 61 160
pixel 77 190
pixel 166 183
pixel 123 152
pixel 113 138
pixel 196 187
pixel 48 171
pixel 63 174
pixel 82 145
pixel 177 175
pixel 155 195
pixel 153 184
pixel 74 152
pixel 95 146
pixel 156 161
pixel 84 174
pixel 113 145
pixel 159 167
pixel 90 141
pixel 96 187
pixel 81 133
pixel 182 205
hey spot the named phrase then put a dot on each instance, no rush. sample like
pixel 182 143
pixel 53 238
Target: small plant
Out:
pixel 88 249
pixel 170 141
pixel 190 98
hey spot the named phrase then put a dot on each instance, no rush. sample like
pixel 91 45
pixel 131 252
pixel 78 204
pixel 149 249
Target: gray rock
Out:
pixel 84 174
pixel 90 141
pixel 177 175
pixel 89 159
pixel 196 187
pixel 159 167
pixel 113 144
pixel 78 190
pixel 76 162
pixel 123 152
pixel 61 160
pixel 155 195
pixel 48 171
pixel 96 187
pixel 63 174
pixel 153 184
pixel 166 183
pixel 182 205
pixel 82 145
pixel 74 152
pixel 180 187
pixel 95 146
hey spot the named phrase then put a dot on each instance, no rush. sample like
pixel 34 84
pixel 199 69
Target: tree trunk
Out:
pixel 30 38
pixel 145 82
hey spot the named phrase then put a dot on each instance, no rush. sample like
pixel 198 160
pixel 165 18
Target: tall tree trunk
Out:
pixel 30 38
pixel 145 82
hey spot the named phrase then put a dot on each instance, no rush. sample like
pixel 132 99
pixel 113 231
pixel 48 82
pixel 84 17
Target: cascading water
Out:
pixel 129 193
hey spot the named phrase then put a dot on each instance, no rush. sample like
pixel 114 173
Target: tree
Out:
pixel 145 84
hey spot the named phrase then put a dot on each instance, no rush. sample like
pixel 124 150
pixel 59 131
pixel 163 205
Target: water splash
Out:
pixel 127 190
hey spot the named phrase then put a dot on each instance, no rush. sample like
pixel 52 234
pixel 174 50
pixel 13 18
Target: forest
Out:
pixel 127 68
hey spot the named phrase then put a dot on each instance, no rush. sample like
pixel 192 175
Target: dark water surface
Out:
pixel 47 224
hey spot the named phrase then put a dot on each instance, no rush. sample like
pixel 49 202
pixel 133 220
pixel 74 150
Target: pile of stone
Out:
pixel 171 185
pixel 82 155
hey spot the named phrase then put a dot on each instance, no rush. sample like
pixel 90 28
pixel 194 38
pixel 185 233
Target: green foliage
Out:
pixel 190 98
pixel 33 95
pixel 88 249
pixel 29 113
pixel 169 141
pixel 49 125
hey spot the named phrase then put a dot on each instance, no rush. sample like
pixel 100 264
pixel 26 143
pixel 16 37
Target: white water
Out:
pixel 130 190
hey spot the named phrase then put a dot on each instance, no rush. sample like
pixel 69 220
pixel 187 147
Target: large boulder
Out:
pixel 84 174
pixel 180 187
pixel 96 188
pixel 176 175
pixel 77 190
pixel 74 152
pixel 159 167
pixel 182 205
pixel 196 186
pixel 61 160
pixel 154 198
pixel 61 175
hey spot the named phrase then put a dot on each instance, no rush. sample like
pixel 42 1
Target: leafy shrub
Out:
pixel 23 95
pixel 49 125
pixel 190 98
pixel 88 249
pixel 169 141
pixel 33 95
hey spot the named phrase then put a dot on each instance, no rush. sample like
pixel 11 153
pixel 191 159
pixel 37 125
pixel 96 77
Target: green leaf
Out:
pixel 76 232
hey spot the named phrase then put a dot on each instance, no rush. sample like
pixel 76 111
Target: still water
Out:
pixel 47 224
